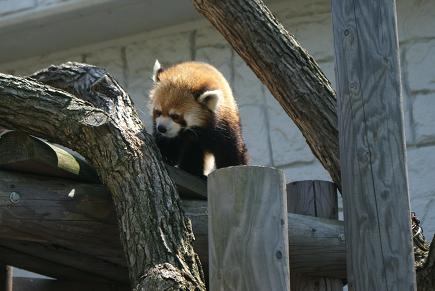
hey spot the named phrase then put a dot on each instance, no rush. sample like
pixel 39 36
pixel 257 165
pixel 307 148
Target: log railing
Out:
pixel 66 228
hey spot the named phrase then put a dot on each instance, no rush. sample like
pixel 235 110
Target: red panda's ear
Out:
pixel 156 71
pixel 211 99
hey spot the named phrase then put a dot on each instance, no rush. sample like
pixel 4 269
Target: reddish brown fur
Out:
pixel 179 84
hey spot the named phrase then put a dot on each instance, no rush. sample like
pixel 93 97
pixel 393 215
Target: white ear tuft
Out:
pixel 157 69
pixel 211 99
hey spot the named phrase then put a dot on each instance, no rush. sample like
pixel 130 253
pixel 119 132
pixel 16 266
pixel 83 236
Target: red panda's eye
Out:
pixel 174 116
pixel 157 112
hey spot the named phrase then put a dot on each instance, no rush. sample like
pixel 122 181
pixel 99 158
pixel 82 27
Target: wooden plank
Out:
pixel 32 208
pixel 25 153
pixel 316 246
pixel 248 241
pixel 6 274
pixel 314 198
pixel 319 199
pixel 188 185
pixel 372 146
pixel 36 284
pixel 46 267
pixel 101 269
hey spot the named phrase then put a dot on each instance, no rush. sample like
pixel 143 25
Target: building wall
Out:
pixel 271 136
pixel 14 7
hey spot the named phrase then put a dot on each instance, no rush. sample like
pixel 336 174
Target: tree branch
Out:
pixel 424 255
pixel 105 128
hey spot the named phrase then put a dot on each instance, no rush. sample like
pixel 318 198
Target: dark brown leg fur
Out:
pixel 227 145
pixel 192 159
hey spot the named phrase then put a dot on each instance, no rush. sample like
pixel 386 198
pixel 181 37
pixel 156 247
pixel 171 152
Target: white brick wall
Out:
pixel 271 137
pixel 10 7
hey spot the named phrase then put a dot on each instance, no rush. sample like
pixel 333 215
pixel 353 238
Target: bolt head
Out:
pixel 14 197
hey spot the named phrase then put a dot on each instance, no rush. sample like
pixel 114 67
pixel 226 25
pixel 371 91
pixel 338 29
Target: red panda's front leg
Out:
pixel 169 149
pixel 230 150
pixel 192 159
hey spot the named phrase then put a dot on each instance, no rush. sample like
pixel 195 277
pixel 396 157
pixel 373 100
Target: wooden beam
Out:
pixel 85 224
pixel 317 246
pixel 25 153
pixel 6 274
pixel 20 151
pixel 37 284
pixel 58 257
pixel 248 239
pixel 32 208
pixel 188 185
pixel 45 267
pixel 372 146
pixel 318 199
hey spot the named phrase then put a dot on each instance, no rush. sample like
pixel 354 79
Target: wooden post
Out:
pixel 319 199
pixel 6 277
pixel 248 240
pixel 372 146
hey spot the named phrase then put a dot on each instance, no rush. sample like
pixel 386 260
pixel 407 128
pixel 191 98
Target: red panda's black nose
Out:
pixel 161 128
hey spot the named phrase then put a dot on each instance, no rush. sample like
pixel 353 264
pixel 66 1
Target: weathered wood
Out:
pixel 83 265
pixel 18 150
pixel 32 208
pixel 319 199
pixel 46 267
pixel 82 225
pixel 25 153
pixel 6 276
pixel 97 119
pixel 188 185
pixel 37 284
pixel 289 72
pixel 317 246
pixel 314 198
pixel 248 241
pixel 372 146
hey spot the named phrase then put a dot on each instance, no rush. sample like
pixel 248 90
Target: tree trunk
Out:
pixel 296 81
pixel 426 273
pixel 292 76
pixel 103 126
pixel 424 257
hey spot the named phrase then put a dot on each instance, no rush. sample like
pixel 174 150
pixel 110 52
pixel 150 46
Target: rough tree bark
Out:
pixel 426 272
pixel 424 257
pixel 103 126
pixel 292 76
pixel 296 81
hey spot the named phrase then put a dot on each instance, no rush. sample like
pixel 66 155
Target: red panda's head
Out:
pixel 185 95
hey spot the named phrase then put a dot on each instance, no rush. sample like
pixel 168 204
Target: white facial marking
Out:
pixel 211 99
pixel 172 111
pixel 192 120
pixel 156 69
pixel 172 128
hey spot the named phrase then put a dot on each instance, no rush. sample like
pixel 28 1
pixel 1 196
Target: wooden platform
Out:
pixel 58 220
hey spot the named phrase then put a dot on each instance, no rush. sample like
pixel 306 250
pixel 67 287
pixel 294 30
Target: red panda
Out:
pixel 195 115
